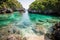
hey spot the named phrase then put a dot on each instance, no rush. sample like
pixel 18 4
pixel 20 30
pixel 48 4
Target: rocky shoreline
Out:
pixel 56 32
pixel 46 12
pixel 9 10
pixel 12 33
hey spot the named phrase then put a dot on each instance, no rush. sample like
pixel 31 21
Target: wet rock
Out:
pixel 2 11
pixel 22 10
pixel 9 11
pixel 57 34
pixel 56 31
pixel 56 26
pixel 5 10
pixel 46 12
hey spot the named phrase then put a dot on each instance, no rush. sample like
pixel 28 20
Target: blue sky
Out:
pixel 26 3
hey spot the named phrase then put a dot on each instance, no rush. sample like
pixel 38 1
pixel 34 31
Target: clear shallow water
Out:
pixel 27 22
pixel 45 20
pixel 28 19
pixel 6 19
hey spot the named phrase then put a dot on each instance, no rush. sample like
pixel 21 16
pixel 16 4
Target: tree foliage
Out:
pixel 10 4
pixel 45 5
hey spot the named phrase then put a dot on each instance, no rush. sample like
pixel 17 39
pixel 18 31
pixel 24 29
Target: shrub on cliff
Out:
pixel 45 5
pixel 13 4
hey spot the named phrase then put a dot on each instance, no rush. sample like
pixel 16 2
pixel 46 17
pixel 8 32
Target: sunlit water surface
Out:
pixel 28 21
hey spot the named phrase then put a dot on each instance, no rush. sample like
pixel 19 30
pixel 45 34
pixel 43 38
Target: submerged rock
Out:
pixel 9 31
pixel 40 30
pixel 14 37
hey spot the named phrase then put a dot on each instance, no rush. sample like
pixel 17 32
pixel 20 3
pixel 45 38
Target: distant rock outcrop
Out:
pixel 51 7
pixel 9 6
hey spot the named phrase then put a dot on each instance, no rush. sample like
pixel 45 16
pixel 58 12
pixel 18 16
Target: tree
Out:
pixel 46 5
pixel 10 4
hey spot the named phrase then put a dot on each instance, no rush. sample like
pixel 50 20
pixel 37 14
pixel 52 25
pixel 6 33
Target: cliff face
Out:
pixel 45 6
pixel 12 5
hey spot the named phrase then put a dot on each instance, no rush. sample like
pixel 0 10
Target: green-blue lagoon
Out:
pixel 26 19
pixel 29 19
pixel 28 23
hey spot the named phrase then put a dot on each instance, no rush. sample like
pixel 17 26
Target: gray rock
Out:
pixel 9 11
pixel 56 31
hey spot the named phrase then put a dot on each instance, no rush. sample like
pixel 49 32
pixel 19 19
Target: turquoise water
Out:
pixel 6 19
pixel 28 24
pixel 45 20
pixel 23 20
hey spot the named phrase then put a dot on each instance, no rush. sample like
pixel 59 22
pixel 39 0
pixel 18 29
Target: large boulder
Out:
pixel 56 31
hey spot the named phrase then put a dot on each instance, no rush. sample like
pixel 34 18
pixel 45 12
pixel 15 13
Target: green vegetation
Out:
pixel 46 5
pixel 10 4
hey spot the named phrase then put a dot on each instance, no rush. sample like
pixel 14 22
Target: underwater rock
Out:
pixel 14 37
pixel 14 30
pixel 39 23
pixel 52 21
pixel 39 29
pixel 26 23
pixel 7 31
pixel 38 32
pixel 40 20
